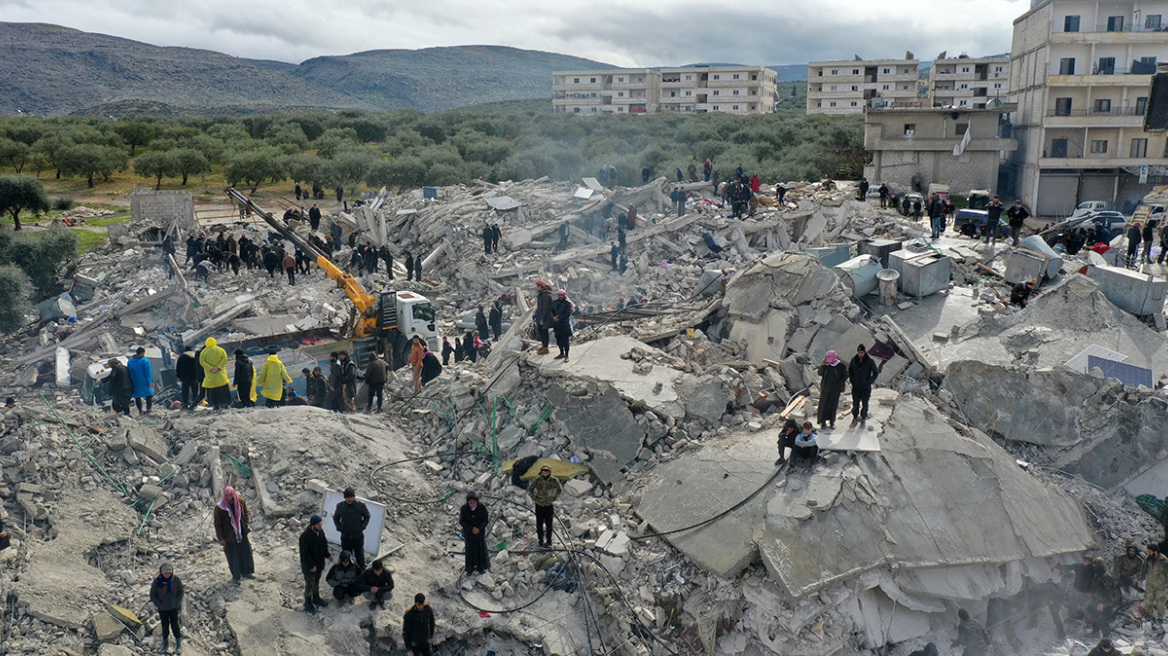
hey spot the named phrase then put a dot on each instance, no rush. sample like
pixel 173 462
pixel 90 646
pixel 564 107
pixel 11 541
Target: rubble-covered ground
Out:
pixel 987 458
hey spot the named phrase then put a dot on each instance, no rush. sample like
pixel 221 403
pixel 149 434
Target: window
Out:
pixel 831 104
pixel 997 69
pixel 1152 22
pixel 962 103
pixel 1150 62
pixel 717 77
pixel 752 108
pixel 855 87
pixel 1067 66
pixel 1103 106
pixel 593 110
pixel 735 107
pixel 1142 105
pixel 576 110
pixel 752 78
pixel 1106 66
pixel 997 85
pixel 575 80
pixel 885 87
pixel 715 108
pixel 1062 106
pixel 821 73
pixel 835 71
pixel 1058 148
pixel 1099 146
pixel 620 94
pixel 690 77
pixel 904 87
pixel 910 129
pixel 964 86
pixel 964 69
pixel 620 79
pixel 689 93
pixel 736 77
pixel 754 92
pixel 593 80
pixel 672 94
pixel 1139 148
pixel 1071 24
pixel 716 92
pixel 620 109
pixel 1115 23
pixel 886 71
pixel 736 92
pixel 854 103
pixel 833 88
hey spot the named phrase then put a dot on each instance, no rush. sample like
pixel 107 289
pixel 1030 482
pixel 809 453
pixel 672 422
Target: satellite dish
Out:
pixel 994 103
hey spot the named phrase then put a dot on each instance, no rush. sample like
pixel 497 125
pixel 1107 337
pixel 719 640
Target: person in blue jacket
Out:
pixel 141 375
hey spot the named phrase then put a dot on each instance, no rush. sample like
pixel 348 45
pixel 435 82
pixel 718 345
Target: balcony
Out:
pixel 1120 78
pixel 1095 162
pixel 943 144
pixel 1133 37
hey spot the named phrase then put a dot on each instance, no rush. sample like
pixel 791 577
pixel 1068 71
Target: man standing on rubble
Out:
pixel 833 376
pixel 1134 236
pixel 487 239
pixel 481 322
pixel 313 554
pixel 1017 215
pixel 936 214
pixel 496 234
pixel 166 593
pixel 496 319
pixel 614 252
pixel 883 196
pixel 245 380
pixel 1156 583
pixel 214 362
pixel 971 635
pixel 120 385
pixel 273 376
pixel 472 517
pixel 142 375
pixel 350 518
pixel 290 267
pixel 409 265
pixel 543 314
pixel 544 491
pixel 864 187
pixel 431 367
pixel 1129 570
pixel 336 395
pixel 187 370
pixel 862 374
pixel 348 382
pixel 317 389
pixel 417 352
pixel 418 628
pixel 993 217
pixel 375 376
pixel 562 323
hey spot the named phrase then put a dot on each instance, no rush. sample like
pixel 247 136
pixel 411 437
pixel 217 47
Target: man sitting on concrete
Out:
pixel 377 582
pixel 344 577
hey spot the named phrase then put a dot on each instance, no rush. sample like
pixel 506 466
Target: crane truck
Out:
pixel 391 318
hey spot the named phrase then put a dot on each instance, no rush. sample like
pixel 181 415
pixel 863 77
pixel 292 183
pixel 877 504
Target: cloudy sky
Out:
pixel 644 33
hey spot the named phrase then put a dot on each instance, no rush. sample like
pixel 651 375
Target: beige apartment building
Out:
pixel 696 89
pixel 968 81
pixel 847 87
pixel 1081 72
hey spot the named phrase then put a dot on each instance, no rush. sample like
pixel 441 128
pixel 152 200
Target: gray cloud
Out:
pixel 649 33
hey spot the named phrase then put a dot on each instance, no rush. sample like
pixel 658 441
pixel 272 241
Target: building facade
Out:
pixel 1080 71
pixel 697 89
pixel 911 148
pixel 847 87
pixel 969 82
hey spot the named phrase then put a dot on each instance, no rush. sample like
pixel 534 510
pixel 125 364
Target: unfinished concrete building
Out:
pixel 913 148
pixel 968 81
pixel 693 89
pixel 1080 72
pixel 847 87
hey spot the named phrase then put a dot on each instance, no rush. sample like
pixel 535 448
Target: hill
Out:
pixel 53 70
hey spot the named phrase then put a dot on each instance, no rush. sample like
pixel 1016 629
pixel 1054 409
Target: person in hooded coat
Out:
pixel 833 376
pixel 273 376
pixel 431 367
pixel 166 593
pixel 232 526
pixel 345 578
pixel 562 323
pixel 214 362
pixel 187 371
pixel 543 314
pixel 141 375
pixel 245 380
pixel 120 386
pixel 473 519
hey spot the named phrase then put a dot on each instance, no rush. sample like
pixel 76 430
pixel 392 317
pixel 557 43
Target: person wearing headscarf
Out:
pixel 431 367
pixel 833 376
pixel 473 519
pixel 214 362
pixel 166 593
pixel 232 522
pixel 272 379
pixel 562 323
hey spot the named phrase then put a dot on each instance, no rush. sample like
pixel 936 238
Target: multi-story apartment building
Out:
pixel 1081 72
pixel 968 82
pixel 729 89
pixel 617 91
pixel 698 89
pixel 846 87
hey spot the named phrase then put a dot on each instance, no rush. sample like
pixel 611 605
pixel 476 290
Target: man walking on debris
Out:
pixel 313 554
pixel 350 518
pixel 187 370
pixel 120 386
pixel 472 517
pixel 409 265
pixel 496 319
pixel 375 376
pixel 833 376
pixel 232 526
pixel 245 380
pixel 1017 216
pixel 344 578
pixel 1134 236
pixel 376 581
pixel 544 491
pixel 1129 570
pixel 348 382
pixel 971 635
pixel 418 628
pixel 447 350
pixel 142 375
pixel 862 373
pixel 166 593
pixel 214 362
pixel 543 315
pixel 273 376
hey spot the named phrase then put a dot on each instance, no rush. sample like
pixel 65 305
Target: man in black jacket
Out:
pixel 313 554
pixel 378 582
pixel 350 519
pixel 1017 215
pixel 543 314
pixel 472 517
pixel 862 373
pixel 244 374
pixel 487 239
pixel 481 323
pixel 418 627
pixel 496 319
pixel 120 387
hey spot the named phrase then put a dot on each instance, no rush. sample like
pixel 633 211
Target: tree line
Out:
pixel 409 149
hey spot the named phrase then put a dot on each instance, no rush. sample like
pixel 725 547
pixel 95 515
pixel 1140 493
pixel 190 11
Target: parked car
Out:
pixel 1089 206
pixel 979 219
pixel 978 199
pixel 906 203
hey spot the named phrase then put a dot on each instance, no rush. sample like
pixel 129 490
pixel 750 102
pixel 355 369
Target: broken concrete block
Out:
pixel 577 487
pixel 106 627
pixel 114 650
pixel 146 441
pixel 150 492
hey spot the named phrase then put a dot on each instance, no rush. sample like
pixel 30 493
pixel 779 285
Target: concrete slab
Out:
pixel 600 423
pixel 601 361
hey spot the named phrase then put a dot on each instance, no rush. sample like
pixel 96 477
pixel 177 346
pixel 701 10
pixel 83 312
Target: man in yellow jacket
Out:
pixel 272 378
pixel 214 362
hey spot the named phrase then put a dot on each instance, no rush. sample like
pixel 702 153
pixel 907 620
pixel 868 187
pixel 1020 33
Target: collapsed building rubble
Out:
pixel 680 536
